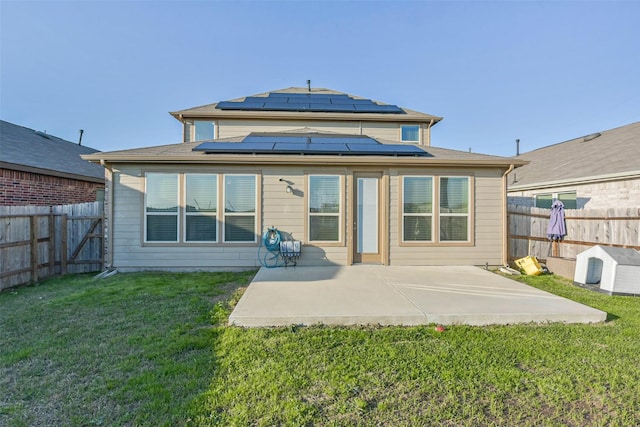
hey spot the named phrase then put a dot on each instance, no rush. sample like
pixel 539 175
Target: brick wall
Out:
pixel 597 195
pixel 25 188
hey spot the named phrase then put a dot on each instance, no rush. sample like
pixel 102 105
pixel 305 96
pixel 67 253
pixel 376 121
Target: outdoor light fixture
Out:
pixel 289 188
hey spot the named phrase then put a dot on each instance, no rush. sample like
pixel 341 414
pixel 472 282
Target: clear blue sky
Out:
pixel 544 72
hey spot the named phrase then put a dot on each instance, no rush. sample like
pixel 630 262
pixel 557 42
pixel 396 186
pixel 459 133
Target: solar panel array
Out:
pixel 310 144
pixel 313 102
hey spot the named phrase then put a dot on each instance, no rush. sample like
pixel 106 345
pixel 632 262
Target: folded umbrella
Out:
pixel 556 230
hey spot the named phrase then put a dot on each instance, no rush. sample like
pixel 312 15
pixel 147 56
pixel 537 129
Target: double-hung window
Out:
pixel 324 208
pixel 161 207
pixel 201 207
pixel 454 209
pixel 240 208
pixel 417 208
pixel 410 133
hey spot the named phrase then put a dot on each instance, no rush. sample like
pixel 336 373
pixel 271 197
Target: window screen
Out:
pixel 417 208
pixel 201 207
pixel 240 208
pixel 454 209
pixel 161 207
pixel 324 208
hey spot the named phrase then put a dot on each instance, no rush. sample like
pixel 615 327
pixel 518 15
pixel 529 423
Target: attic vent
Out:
pixel 590 137
pixel 42 134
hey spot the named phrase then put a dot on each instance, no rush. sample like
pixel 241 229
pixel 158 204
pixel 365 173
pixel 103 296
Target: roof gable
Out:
pixel 26 148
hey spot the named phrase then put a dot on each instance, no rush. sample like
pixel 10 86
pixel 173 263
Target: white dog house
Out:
pixel 616 270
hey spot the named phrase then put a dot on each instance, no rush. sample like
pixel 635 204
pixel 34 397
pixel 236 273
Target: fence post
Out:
pixel 52 246
pixel 33 223
pixel 63 244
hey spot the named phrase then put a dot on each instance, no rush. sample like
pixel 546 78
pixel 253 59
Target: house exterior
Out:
pixel 40 169
pixel 596 171
pixel 355 180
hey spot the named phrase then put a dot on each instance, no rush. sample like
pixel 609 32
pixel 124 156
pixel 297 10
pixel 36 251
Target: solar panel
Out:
pixel 280 101
pixel 282 148
pixel 326 108
pixel 343 140
pixel 273 139
pixel 234 147
pixel 389 149
pixel 310 144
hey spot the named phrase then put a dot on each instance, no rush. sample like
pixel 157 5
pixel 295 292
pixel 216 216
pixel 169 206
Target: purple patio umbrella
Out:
pixel 556 230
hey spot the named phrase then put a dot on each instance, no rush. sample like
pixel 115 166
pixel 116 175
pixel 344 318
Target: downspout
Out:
pixel 505 217
pixel 107 245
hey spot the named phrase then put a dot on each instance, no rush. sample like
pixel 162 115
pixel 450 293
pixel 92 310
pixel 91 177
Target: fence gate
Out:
pixel 41 241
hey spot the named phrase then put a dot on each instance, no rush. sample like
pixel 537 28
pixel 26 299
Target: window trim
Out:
pixel 194 137
pixel 555 196
pixel 455 214
pixel 403 214
pixel 254 214
pixel 181 242
pixel 185 214
pixel 411 141
pixel 436 242
pixel 339 215
pixel 145 214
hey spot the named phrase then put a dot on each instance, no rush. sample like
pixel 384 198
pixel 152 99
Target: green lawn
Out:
pixel 154 349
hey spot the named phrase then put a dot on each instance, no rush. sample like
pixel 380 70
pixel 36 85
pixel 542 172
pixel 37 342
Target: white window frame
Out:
pixel 210 214
pixel 554 196
pixel 426 215
pixel 454 214
pixel 195 132
pixel 176 213
pixel 226 214
pixel 323 214
pixel 413 141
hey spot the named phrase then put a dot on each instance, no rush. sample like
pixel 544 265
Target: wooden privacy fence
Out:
pixel 617 227
pixel 42 241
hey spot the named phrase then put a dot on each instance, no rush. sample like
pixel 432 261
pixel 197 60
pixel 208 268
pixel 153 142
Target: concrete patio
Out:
pixel 398 295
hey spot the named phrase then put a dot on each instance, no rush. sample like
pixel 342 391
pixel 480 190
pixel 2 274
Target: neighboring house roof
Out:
pixel 602 156
pixel 191 152
pixel 28 150
pixel 323 104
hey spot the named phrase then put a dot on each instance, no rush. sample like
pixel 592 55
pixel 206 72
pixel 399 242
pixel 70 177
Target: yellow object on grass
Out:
pixel 529 265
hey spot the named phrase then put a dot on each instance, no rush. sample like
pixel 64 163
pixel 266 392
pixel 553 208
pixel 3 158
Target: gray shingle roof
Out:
pixel 604 154
pixel 184 152
pixel 210 110
pixel 24 147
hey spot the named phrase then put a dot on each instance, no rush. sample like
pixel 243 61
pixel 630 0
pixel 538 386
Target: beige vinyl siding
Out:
pixel 286 211
pixel 234 128
pixel 487 216
pixel 279 209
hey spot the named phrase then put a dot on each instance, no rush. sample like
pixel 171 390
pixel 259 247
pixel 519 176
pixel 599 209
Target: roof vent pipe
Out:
pixel 517 147
pixel 590 137
pixel 80 139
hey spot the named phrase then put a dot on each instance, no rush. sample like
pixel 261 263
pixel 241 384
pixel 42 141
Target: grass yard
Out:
pixel 154 349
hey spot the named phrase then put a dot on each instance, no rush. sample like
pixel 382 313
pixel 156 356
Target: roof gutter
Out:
pixel 304 115
pixel 409 161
